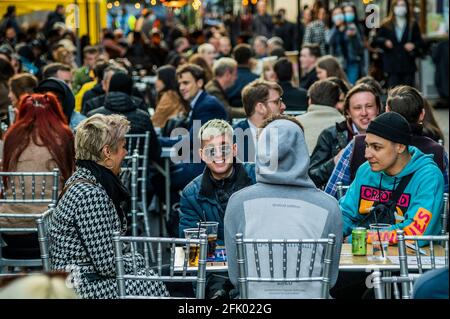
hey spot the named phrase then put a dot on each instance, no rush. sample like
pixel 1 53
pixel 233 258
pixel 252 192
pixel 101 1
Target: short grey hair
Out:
pixel 224 65
pixel 93 133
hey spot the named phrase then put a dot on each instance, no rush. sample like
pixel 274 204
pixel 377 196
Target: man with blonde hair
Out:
pixel 206 197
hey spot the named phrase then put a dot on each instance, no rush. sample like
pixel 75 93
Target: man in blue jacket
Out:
pixel 206 197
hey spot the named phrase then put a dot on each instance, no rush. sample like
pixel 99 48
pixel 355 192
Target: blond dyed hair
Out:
pixel 214 128
pixel 94 133
pixel 39 286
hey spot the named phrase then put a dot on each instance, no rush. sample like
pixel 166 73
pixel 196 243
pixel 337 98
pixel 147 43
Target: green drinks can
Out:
pixel 359 241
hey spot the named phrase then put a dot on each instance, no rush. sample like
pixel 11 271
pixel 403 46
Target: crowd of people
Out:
pixel 258 172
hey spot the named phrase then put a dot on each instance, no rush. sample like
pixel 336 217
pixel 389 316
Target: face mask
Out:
pixel 400 11
pixel 338 18
pixel 349 17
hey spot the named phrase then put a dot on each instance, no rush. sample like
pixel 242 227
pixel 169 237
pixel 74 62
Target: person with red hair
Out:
pixel 39 141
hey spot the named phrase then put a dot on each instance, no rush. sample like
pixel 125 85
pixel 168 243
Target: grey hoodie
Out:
pixel 283 204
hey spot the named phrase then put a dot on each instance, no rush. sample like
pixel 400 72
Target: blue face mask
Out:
pixel 338 18
pixel 349 17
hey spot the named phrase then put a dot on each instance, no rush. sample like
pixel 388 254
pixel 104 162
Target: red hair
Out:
pixel 41 120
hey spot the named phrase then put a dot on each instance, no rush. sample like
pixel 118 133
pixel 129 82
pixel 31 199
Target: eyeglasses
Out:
pixel 212 151
pixel 277 101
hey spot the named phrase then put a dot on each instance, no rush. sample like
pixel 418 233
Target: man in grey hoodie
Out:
pixel 283 204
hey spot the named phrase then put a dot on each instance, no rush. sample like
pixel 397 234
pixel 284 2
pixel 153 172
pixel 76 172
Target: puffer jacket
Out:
pixel 196 202
pixel 124 104
pixel 330 142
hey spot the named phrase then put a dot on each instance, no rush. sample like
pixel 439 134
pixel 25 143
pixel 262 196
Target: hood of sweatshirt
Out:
pixel 282 155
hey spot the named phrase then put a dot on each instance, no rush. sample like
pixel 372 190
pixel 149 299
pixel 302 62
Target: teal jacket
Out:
pixel 418 208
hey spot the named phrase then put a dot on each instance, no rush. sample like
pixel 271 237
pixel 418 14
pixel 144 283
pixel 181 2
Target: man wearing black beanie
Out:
pixel 394 167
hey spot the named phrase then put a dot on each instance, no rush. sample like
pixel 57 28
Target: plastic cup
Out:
pixel 379 235
pixel 211 232
pixel 194 249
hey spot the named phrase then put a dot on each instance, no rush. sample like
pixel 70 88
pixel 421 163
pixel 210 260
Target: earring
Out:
pixel 106 165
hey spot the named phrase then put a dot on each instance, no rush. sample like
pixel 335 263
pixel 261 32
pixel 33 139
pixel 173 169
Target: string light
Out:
pixel 137 5
pixel 116 3
pixel 153 2
pixel 109 5
pixel 254 2
pixel 196 4
pixel 245 3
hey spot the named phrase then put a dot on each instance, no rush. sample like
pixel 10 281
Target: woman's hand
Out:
pixel 388 44
pixel 409 46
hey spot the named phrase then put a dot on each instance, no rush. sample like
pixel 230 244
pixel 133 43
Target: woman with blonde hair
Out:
pixel 39 286
pixel 90 211
pixel 268 74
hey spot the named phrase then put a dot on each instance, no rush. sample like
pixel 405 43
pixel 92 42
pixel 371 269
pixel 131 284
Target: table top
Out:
pixel 347 262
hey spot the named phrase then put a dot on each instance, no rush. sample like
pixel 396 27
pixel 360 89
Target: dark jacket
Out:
pixel 121 103
pixel 440 59
pixel 287 31
pixel 330 142
pixel 99 101
pixel 294 98
pixel 308 79
pixel 244 77
pixel 199 201
pixel 262 25
pixel 398 60
pixel 245 146
pixel 213 88
pixel 97 90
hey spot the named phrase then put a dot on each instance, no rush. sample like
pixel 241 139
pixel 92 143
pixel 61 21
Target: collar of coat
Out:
pixel 207 188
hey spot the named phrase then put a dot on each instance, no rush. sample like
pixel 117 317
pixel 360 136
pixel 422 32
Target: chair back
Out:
pixel 42 222
pixel 404 292
pixel 341 190
pixel 29 187
pixel 148 274
pixel 444 215
pixel 428 261
pixel 281 253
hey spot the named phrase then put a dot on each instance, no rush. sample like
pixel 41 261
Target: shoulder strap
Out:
pixel 77 181
pixel 399 190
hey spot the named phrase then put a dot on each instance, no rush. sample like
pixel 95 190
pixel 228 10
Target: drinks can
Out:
pixel 359 242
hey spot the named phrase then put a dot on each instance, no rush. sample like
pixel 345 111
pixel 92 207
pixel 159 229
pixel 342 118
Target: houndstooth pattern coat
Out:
pixel 86 211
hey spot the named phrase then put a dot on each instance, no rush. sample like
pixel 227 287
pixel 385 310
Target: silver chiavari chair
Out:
pixel 18 188
pixel 341 190
pixel 406 282
pixel 152 274
pixel 264 269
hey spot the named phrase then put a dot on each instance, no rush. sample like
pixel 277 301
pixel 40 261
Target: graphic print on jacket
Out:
pixel 418 208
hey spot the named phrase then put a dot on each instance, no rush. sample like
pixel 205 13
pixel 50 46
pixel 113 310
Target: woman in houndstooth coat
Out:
pixel 89 212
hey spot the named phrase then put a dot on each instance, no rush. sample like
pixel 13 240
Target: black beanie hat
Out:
pixel 391 126
pixel 121 82
pixel 62 91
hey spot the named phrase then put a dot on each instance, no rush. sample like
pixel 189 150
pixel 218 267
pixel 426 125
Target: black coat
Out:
pixel 329 143
pixel 97 90
pixel 99 101
pixel 308 79
pixel 294 98
pixel 397 60
pixel 244 77
pixel 140 122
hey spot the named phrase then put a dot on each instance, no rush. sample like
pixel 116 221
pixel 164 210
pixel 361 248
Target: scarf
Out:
pixel 110 182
